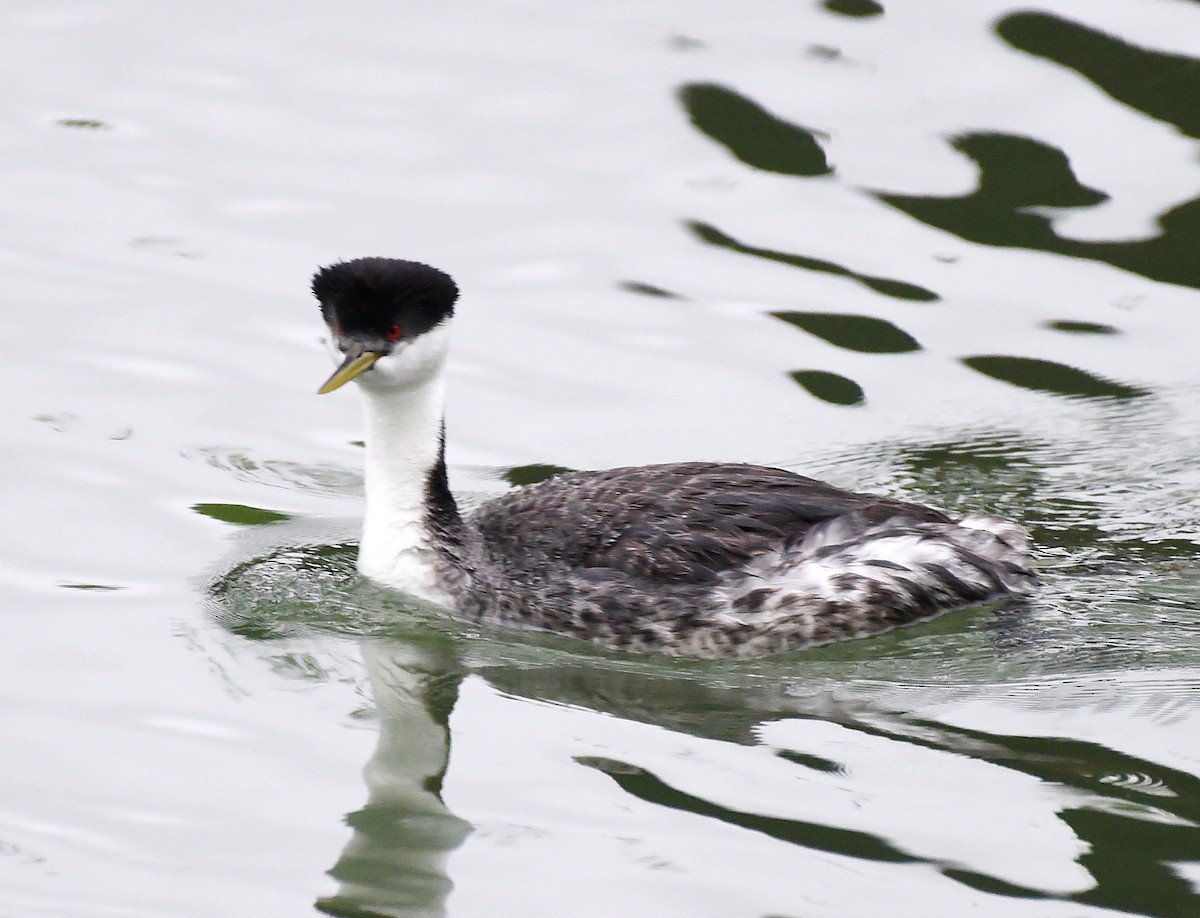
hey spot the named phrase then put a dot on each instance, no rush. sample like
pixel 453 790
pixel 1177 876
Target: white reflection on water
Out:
pixel 175 172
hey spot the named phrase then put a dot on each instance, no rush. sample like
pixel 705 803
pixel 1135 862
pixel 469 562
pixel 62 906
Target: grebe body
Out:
pixel 698 559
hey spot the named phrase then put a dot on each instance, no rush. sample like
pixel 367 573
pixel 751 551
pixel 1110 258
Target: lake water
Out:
pixel 942 250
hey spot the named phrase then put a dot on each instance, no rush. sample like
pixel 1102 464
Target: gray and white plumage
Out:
pixel 702 559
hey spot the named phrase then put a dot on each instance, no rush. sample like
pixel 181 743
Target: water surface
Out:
pixel 944 251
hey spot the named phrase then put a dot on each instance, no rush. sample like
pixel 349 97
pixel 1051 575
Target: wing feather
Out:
pixel 677 523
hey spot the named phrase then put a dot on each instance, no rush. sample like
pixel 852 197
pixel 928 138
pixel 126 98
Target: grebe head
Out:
pixel 390 318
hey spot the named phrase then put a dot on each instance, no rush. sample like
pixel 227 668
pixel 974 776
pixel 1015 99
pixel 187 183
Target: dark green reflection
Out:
pixel 857 9
pixel 830 387
pixel 1163 86
pixel 751 133
pixel 648 290
pixel 864 334
pixel 521 475
pixel 1014 173
pixel 1120 814
pixel 815 762
pixel 1131 859
pixel 1018 173
pixel 900 290
pixel 1048 376
pixel 91 124
pixel 649 787
pixel 844 842
pixel 239 514
pixel 1082 328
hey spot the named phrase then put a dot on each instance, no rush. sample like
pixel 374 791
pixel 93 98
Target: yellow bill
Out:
pixel 353 365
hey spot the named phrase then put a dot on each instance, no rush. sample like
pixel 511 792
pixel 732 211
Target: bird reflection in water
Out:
pixel 395 862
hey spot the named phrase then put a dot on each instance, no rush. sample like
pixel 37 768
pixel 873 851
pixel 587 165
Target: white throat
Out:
pixel 404 431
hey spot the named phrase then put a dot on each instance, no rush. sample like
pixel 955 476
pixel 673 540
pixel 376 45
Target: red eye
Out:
pixel 394 333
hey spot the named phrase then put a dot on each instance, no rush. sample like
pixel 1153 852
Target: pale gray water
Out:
pixel 188 705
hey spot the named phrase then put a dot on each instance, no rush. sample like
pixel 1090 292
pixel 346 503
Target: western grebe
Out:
pixel 699 559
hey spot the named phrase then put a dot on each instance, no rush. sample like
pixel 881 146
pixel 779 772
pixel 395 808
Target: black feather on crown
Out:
pixel 368 296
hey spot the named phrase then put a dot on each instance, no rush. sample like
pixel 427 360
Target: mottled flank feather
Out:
pixel 718 560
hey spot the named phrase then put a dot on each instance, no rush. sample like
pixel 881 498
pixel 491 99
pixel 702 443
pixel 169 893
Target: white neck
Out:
pixel 404 429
